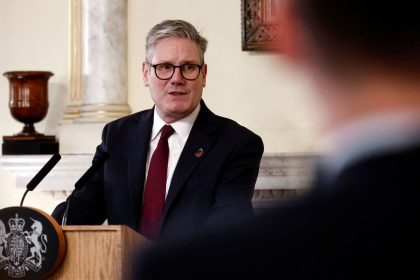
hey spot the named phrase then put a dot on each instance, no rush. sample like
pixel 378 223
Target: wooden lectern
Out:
pixel 100 252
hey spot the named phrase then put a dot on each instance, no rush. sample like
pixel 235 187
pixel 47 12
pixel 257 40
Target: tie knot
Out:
pixel 166 131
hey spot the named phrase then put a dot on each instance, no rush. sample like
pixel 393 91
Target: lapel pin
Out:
pixel 199 152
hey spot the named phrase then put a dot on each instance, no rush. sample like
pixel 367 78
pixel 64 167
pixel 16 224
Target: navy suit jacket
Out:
pixel 363 225
pixel 207 191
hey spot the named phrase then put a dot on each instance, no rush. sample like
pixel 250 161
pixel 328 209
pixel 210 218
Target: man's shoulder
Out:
pixel 233 129
pixel 228 126
pixel 384 163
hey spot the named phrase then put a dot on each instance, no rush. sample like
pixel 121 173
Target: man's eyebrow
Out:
pixel 190 62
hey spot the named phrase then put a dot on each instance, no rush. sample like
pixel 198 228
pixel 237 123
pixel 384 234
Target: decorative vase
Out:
pixel 28 99
pixel 28 103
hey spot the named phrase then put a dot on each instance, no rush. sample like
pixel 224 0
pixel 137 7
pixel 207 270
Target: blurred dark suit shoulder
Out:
pixel 365 224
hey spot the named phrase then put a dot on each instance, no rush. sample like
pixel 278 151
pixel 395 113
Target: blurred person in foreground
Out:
pixel 176 169
pixel 362 216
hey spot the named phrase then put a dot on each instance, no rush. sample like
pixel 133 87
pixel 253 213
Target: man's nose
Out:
pixel 177 76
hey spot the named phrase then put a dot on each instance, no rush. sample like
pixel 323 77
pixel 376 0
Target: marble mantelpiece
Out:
pixel 281 176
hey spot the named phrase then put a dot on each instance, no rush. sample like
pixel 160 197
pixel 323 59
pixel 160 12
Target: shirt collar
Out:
pixel 182 127
pixel 369 136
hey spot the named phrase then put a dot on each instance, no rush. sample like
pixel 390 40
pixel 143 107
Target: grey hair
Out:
pixel 174 29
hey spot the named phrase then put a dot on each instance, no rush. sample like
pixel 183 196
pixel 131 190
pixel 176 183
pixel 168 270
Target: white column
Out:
pixel 74 99
pixel 98 72
pixel 104 60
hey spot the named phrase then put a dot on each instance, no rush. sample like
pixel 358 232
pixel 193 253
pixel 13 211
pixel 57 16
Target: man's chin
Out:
pixel 175 114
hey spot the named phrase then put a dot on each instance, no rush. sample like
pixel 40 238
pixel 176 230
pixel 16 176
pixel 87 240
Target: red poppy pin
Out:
pixel 199 152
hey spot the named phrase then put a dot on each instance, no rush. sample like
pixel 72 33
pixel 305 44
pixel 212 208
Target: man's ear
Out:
pixel 145 70
pixel 204 73
pixel 291 27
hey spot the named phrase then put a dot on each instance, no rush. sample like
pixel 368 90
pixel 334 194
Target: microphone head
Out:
pixel 43 172
pixel 97 163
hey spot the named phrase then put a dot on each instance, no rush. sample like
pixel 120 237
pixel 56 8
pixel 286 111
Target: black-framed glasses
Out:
pixel 165 71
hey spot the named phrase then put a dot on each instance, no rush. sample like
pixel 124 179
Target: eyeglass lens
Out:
pixel 165 71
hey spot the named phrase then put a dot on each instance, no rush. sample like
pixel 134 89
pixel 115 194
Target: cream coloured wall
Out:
pixel 34 37
pixel 258 90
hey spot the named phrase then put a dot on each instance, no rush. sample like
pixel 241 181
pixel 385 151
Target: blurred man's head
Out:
pixel 350 32
pixel 364 56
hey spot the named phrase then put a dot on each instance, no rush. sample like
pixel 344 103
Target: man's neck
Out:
pixel 373 95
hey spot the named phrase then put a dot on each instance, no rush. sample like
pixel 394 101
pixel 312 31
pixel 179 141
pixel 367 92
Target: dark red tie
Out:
pixel 154 194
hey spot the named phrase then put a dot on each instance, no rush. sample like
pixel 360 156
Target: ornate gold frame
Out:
pixel 259 31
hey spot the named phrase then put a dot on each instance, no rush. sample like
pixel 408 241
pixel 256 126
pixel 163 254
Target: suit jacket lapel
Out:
pixel 139 134
pixel 202 136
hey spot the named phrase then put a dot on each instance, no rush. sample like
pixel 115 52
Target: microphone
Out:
pixel 41 174
pixel 91 171
pixel 82 181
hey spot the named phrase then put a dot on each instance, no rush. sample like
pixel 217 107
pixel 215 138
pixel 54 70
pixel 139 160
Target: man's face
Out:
pixel 177 97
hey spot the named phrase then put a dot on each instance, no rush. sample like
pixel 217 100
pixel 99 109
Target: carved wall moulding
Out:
pixel 259 30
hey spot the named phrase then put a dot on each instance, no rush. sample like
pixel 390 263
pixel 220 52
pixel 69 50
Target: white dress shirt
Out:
pixel 367 137
pixel 176 141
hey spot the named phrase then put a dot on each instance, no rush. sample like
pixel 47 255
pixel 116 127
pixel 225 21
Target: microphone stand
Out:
pixel 23 197
pixel 40 175
pixel 81 182
pixel 66 213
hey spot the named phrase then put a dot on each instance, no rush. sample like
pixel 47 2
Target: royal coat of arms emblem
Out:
pixel 24 244
pixel 21 250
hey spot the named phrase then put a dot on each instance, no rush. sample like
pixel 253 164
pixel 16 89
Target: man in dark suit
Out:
pixel 361 218
pixel 211 163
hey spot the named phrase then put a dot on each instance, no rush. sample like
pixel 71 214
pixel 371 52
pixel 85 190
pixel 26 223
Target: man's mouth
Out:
pixel 177 93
